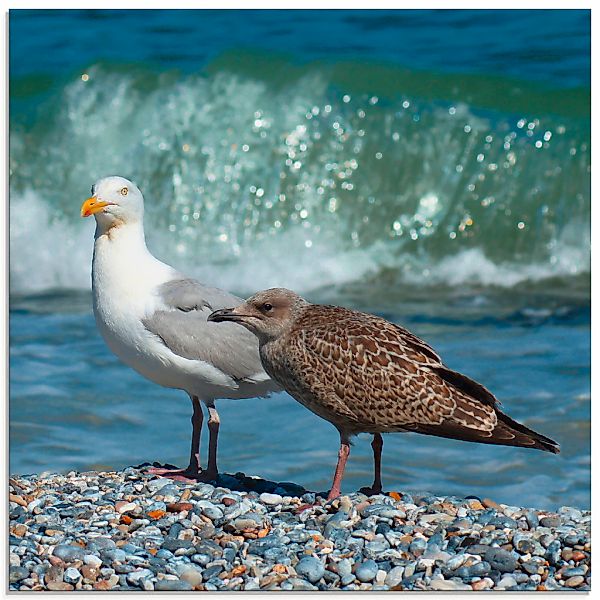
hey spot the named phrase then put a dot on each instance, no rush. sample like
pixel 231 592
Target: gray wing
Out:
pixel 188 294
pixel 183 328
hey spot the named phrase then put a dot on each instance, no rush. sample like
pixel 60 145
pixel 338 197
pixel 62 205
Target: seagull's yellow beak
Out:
pixel 91 206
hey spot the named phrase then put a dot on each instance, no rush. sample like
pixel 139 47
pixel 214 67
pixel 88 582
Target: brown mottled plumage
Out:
pixel 365 374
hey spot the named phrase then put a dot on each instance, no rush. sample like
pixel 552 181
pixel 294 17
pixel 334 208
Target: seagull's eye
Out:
pixel 124 191
pixel 267 307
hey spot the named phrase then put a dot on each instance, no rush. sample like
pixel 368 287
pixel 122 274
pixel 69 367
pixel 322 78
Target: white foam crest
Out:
pixel 47 252
pixel 286 261
pixel 472 267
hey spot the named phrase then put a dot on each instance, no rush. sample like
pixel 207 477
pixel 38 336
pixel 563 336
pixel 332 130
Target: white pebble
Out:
pixel 272 499
pixel 92 561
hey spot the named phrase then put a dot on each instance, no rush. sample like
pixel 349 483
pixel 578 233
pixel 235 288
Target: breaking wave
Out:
pixel 253 180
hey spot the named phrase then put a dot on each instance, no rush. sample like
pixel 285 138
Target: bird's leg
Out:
pixel 193 469
pixel 197 419
pixel 211 472
pixel 377 445
pixel 343 454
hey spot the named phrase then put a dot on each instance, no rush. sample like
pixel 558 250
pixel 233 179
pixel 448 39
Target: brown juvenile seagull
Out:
pixel 364 374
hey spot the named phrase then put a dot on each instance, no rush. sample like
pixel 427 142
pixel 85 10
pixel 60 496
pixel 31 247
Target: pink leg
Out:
pixel 343 454
pixel 211 472
pixel 193 469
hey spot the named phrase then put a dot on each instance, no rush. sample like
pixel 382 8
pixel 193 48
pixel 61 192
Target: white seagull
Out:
pixel 155 319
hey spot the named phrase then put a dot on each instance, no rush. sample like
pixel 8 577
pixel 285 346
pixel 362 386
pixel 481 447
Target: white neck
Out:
pixel 122 263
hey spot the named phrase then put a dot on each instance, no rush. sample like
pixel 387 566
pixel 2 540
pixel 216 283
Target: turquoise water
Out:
pixel 429 166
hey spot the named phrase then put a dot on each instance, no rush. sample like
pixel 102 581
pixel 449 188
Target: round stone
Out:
pixel 550 521
pixel 310 568
pixel 270 499
pixel 299 584
pixel 366 571
pixel 172 585
pixel 574 581
pixel 69 553
pixel 190 573
pixel 17 574
pixel 501 560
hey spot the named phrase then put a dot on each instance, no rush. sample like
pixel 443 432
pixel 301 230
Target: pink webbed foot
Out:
pixel 186 475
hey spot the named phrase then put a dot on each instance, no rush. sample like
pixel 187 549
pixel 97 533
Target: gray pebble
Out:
pixel 299 584
pixel 69 553
pixel 369 531
pixel 501 560
pixel 394 577
pixel 550 521
pixel 172 585
pixel 17 574
pixel 72 575
pixel 310 568
pixel 366 571
pixel 190 573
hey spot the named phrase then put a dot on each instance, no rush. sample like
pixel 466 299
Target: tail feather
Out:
pixel 506 433
pixel 523 436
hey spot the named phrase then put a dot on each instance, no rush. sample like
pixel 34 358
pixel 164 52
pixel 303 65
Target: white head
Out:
pixel 114 201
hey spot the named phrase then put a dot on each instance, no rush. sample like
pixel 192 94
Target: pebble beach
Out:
pixel 131 530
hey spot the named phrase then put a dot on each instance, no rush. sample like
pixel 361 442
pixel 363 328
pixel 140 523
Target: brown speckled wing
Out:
pixel 384 376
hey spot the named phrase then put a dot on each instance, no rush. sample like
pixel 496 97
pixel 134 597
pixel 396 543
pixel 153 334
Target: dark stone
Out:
pixel 172 585
pixel 501 560
pixel 550 521
pixel 532 519
pixel 211 572
pixel 310 568
pixel 173 544
pixel 525 546
pixel 479 549
pixel 530 567
pixel 69 553
pixel 417 546
pixel 17 574
pixel 479 569
pixel 124 569
pixel 292 489
pixel 259 546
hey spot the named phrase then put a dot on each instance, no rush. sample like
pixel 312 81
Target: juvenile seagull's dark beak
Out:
pixel 225 314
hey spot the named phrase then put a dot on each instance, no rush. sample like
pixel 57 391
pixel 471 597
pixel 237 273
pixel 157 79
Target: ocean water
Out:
pixel 429 166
